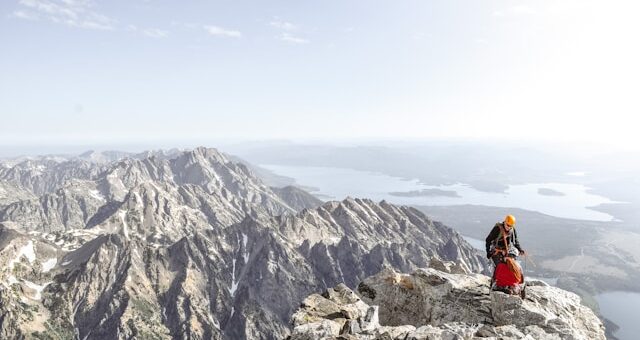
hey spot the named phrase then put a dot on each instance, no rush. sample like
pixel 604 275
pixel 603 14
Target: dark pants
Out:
pixel 496 259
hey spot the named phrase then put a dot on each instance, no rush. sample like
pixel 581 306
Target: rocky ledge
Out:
pixel 440 304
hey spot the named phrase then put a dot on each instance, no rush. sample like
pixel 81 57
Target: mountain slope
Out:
pixel 297 198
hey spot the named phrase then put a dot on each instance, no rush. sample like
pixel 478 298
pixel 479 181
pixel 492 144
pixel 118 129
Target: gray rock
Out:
pixel 323 329
pixel 431 304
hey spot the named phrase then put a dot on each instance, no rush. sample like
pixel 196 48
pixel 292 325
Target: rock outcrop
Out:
pixel 434 304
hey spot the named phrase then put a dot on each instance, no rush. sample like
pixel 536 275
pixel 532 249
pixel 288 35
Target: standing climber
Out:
pixel 503 243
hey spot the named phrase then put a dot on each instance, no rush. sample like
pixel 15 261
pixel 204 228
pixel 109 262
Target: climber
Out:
pixel 502 243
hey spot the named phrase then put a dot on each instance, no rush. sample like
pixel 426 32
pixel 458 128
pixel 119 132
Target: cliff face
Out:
pixel 438 304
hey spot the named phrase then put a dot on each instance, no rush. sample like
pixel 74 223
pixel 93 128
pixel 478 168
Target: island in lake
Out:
pixel 549 192
pixel 425 193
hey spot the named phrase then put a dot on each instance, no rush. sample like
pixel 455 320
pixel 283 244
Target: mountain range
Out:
pixel 187 244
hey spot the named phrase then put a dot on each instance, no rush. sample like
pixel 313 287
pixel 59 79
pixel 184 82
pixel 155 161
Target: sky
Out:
pixel 83 71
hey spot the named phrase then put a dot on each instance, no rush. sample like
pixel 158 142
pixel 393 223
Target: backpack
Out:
pixel 509 278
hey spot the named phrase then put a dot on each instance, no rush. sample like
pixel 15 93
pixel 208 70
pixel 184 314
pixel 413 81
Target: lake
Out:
pixel 620 307
pixel 572 201
pixel 474 242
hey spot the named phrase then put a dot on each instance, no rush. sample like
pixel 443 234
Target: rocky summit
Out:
pixel 442 304
pixel 187 245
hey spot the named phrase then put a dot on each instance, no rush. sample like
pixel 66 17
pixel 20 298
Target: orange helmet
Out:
pixel 510 220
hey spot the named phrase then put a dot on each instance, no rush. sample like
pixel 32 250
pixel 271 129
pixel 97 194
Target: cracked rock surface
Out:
pixel 437 305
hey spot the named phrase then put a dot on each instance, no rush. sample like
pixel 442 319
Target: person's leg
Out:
pixel 496 259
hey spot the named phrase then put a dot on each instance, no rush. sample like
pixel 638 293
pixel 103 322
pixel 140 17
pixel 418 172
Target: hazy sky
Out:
pixel 134 70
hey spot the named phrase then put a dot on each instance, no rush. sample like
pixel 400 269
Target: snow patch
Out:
pixel 214 322
pixel 38 288
pixel 245 255
pixel 337 263
pixel 125 227
pixel 334 240
pixel 26 251
pixel 12 280
pixel 97 195
pixel 271 264
pixel 340 270
pixel 141 206
pixel 234 284
pixel 49 264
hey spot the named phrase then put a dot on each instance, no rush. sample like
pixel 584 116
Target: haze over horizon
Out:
pixel 349 135
pixel 97 72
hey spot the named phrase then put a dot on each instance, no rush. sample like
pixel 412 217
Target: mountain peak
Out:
pixel 208 153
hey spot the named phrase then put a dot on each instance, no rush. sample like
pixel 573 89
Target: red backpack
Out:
pixel 504 276
pixel 508 282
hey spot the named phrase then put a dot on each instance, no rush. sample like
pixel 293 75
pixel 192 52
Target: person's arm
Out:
pixel 516 243
pixel 495 232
